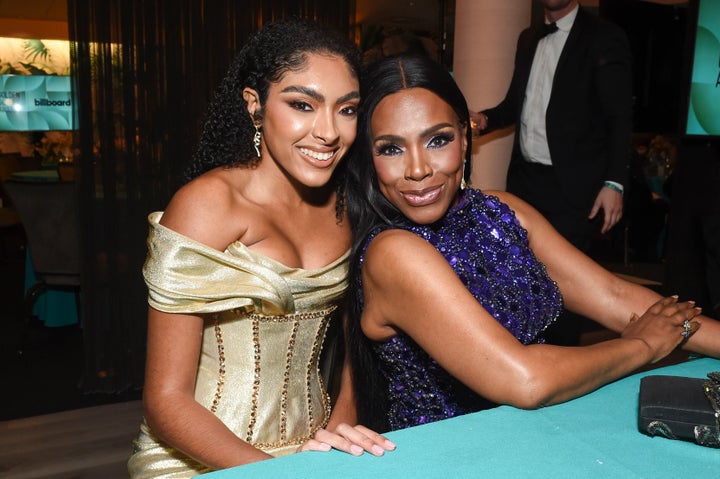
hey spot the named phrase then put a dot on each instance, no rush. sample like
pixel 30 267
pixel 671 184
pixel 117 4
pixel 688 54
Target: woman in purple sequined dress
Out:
pixel 452 288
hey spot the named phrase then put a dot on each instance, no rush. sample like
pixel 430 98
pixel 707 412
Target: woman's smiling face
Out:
pixel 310 119
pixel 418 146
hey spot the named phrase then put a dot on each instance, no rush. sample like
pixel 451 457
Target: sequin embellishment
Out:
pixel 286 381
pixel 488 249
pixel 221 366
pixel 311 368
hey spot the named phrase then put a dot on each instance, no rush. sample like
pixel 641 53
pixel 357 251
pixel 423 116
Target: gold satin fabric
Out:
pixel 264 328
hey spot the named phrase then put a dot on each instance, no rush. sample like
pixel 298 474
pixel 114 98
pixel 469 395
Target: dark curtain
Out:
pixel 144 71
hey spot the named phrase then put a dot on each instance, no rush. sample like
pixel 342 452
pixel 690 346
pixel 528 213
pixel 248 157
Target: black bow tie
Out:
pixel 548 28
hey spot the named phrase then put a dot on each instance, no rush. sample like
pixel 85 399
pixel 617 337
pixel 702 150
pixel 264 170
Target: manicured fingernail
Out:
pixel 378 450
pixel 325 446
pixel 389 444
pixel 356 450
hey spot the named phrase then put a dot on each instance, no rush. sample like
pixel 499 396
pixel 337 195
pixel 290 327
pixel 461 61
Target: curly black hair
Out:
pixel 277 48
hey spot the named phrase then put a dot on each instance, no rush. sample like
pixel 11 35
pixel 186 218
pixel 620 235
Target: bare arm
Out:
pixel 170 408
pixel 174 343
pixel 342 431
pixel 344 410
pixel 592 291
pixel 432 305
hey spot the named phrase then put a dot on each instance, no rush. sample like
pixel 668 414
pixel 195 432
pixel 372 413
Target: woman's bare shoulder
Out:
pixel 387 242
pixel 396 253
pixel 508 198
pixel 208 209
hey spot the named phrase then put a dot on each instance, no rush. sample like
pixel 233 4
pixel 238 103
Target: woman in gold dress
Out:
pixel 247 264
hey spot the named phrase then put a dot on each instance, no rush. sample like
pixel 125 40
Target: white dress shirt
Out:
pixel 533 134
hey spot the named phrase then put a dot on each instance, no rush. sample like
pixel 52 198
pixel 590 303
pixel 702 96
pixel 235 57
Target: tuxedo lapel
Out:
pixel 525 62
pixel 574 37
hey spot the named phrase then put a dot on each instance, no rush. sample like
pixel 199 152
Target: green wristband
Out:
pixel 613 186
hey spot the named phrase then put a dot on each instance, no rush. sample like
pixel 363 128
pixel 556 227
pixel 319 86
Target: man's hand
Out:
pixel 479 121
pixel 611 202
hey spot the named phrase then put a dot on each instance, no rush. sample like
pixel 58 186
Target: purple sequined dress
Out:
pixel 488 249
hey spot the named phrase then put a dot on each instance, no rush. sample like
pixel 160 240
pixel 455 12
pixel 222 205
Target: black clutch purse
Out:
pixel 683 408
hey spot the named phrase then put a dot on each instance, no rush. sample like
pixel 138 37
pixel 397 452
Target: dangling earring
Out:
pixel 463 183
pixel 256 138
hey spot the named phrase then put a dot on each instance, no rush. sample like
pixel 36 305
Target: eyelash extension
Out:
pixel 384 149
pixel 301 105
pixel 353 108
pixel 445 138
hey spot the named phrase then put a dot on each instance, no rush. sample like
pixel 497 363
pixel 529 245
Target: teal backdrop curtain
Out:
pixel 144 71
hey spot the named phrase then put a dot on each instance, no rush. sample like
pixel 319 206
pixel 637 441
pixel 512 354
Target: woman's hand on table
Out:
pixel 351 439
pixel 664 326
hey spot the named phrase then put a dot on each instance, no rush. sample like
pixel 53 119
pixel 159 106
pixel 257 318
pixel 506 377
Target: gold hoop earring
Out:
pixel 256 138
pixel 463 183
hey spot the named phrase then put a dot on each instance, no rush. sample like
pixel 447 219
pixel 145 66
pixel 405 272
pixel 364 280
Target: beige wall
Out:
pixel 486 33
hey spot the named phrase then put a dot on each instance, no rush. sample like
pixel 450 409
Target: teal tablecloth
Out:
pixel 54 307
pixel 592 436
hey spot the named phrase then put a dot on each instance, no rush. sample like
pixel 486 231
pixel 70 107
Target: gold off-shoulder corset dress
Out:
pixel 263 334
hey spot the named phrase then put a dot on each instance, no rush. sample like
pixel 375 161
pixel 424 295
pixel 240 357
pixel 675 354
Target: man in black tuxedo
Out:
pixel 571 101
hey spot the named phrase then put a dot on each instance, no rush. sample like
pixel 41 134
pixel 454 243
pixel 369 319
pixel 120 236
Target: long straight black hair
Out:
pixel 368 208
